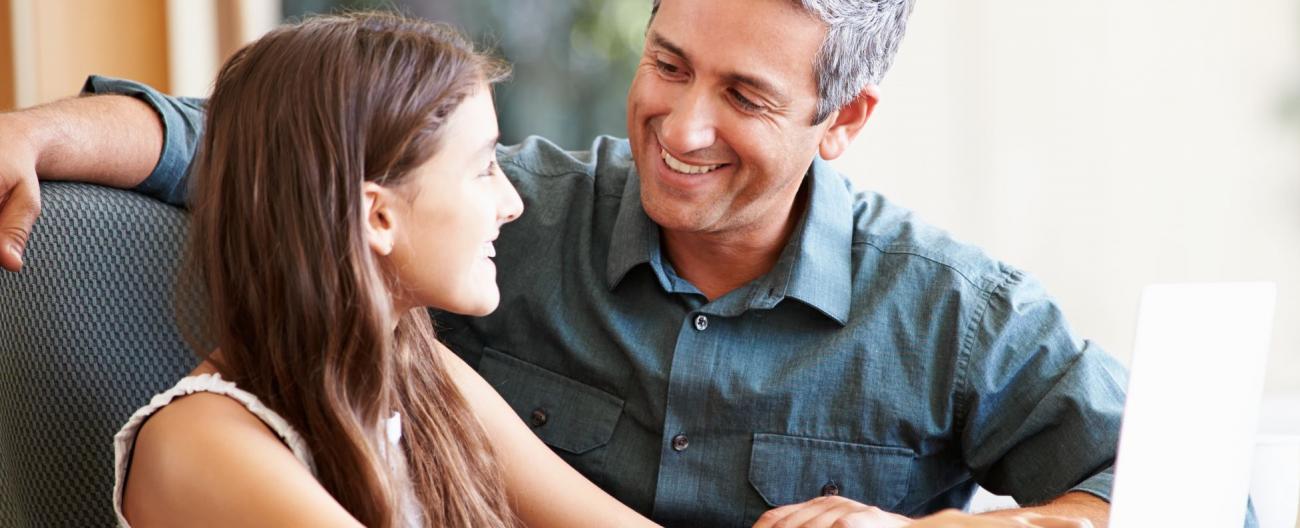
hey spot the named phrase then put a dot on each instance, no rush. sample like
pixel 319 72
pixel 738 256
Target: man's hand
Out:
pixel 108 140
pixel 839 512
pixel 1021 519
pixel 830 512
pixel 1072 505
pixel 20 195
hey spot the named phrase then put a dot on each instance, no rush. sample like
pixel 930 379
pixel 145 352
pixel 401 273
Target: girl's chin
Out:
pixel 483 302
pixel 474 302
pixel 481 310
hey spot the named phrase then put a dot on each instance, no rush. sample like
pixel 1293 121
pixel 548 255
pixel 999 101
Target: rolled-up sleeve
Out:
pixel 1099 484
pixel 182 120
pixel 1042 408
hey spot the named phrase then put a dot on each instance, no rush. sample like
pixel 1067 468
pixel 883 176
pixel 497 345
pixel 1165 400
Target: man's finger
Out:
pixel 790 514
pixel 857 515
pixel 810 510
pixel 877 518
pixel 774 515
pixel 18 213
pixel 1060 522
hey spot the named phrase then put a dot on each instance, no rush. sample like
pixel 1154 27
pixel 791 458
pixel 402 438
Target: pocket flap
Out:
pixel 574 417
pixel 791 469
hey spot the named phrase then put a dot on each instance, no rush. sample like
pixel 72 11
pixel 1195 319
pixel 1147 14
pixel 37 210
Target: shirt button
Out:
pixel 701 322
pixel 830 489
pixel 539 417
pixel 680 443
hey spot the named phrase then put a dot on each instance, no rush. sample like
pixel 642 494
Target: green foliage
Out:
pixel 573 59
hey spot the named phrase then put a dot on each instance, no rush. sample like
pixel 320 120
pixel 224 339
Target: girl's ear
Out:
pixel 380 218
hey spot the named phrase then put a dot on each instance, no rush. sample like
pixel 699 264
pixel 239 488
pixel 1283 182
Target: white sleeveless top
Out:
pixel 124 441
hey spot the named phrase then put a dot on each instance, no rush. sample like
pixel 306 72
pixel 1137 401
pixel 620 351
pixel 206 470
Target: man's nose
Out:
pixel 691 123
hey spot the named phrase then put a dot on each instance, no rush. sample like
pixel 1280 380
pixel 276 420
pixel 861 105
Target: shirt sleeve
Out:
pixel 1041 409
pixel 182 120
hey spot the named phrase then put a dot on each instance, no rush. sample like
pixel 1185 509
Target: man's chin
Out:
pixel 675 216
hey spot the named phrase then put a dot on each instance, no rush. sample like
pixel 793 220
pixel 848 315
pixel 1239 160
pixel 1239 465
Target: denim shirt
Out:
pixel 879 360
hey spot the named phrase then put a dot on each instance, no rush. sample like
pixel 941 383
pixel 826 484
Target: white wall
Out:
pixel 1104 145
pixel 201 34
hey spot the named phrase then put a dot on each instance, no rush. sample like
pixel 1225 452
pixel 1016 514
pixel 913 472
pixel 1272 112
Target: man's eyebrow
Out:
pixel 661 42
pixel 734 77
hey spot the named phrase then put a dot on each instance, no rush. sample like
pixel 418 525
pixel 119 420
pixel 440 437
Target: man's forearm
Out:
pixel 1075 504
pixel 110 140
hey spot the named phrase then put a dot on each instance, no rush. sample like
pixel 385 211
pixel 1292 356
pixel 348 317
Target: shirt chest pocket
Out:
pixel 791 469
pixel 570 416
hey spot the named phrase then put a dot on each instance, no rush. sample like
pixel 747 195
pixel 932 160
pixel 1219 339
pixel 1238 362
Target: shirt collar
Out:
pixel 635 239
pixel 815 267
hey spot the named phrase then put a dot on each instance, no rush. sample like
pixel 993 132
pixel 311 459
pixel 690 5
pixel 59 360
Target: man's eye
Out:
pixel 666 68
pixel 744 103
pixel 491 170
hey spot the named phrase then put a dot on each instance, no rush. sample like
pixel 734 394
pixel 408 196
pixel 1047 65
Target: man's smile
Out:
pixel 686 168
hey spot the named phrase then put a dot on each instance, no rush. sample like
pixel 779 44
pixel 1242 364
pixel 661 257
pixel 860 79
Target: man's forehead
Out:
pixel 770 40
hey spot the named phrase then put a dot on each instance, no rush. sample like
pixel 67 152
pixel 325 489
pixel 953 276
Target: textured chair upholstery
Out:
pixel 88 333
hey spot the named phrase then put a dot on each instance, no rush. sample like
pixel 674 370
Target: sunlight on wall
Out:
pixel 1103 146
pixel 56 45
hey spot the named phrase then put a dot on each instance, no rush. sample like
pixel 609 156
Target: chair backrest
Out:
pixel 88 333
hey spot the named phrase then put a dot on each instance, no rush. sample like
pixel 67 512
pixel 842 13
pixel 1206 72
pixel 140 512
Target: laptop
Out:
pixel 1195 389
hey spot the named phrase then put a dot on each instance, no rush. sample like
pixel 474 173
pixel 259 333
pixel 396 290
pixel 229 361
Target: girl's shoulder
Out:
pixel 206 455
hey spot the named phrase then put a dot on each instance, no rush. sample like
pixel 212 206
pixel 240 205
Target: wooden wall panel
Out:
pixel 75 38
pixel 7 85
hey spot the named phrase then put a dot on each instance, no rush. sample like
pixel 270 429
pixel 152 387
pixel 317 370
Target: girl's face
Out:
pixel 434 232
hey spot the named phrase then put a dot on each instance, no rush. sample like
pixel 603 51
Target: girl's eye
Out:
pixel 491 170
pixel 744 103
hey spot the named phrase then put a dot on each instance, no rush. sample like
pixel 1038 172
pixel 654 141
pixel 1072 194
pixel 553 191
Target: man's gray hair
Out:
pixel 861 40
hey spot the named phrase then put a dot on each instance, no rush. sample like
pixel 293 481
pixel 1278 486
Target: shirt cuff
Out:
pixel 182 122
pixel 1098 485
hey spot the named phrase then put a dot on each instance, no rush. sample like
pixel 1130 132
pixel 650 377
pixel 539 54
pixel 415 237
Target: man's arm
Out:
pixel 839 512
pixel 1073 505
pixel 111 140
pixel 141 139
pixel 1038 416
pixel 1039 408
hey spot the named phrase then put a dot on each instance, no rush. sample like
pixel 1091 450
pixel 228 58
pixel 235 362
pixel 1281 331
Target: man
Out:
pixel 703 318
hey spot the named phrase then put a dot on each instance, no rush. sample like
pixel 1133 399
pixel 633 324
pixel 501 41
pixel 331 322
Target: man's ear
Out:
pixel 848 122
pixel 380 218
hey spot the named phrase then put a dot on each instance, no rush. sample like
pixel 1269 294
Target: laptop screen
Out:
pixel 1192 411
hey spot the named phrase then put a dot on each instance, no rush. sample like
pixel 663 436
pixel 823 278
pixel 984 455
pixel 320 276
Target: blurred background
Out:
pixel 1101 145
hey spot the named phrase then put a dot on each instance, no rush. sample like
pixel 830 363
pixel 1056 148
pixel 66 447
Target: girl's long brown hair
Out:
pixel 298 304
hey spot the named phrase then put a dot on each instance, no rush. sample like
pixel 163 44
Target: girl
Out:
pixel 347 180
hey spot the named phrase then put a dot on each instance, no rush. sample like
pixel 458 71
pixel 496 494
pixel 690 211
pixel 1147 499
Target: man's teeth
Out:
pixel 683 167
pixel 491 250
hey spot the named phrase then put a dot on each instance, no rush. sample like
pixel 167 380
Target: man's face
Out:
pixel 719 113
